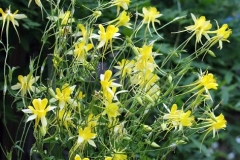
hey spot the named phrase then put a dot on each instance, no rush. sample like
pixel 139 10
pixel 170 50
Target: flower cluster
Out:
pixel 202 27
pixel 115 110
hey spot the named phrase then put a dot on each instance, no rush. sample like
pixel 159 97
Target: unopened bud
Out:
pixel 211 53
pixel 169 78
pixel 97 14
pixel 126 138
pixel 164 126
pixel 139 99
pixel 147 128
pixel 42 69
pixel 4 90
pixel 153 144
pixel 51 92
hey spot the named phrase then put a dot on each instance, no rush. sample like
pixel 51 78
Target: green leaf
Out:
pixel 228 77
pixel 201 146
pixel 225 96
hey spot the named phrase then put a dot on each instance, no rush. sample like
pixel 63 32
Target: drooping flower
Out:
pixel 178 118
pixel 39 111
pixel 8 17
pixel 121 3
pixel 86 135
pixel 63 96
pixel 106 37
pixel 214 123
pixel 149 15
pixel 26 84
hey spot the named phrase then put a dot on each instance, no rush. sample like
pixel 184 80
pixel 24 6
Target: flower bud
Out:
pixel 43 130
pixel 146 128
pixel 51 92
pixel 153 144
pixel 97 14
pixel 164 126
pixel 211 53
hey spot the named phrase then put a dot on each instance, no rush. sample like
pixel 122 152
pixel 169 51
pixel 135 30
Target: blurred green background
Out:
pixel 226 65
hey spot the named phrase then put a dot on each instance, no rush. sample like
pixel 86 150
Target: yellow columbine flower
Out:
pixel 92 120
pixel 205 83
pixel 106 36
pixel 84 33
pixel 214 123
pixel 145 59
pixel 65 118
pixel 38 2
pixel 82 47
pixel 121 3
pixel 179 118
pixel 111 110
pixel 149 15
pixel 39 111
pixel 77 157
pixel 66 18
pixel 208 81
pixel 154 92
pixel 26 84
pixel 148 79
pixel 145 79
pixel 108 86
pixel 200 27
pixel 86 135
pixel 81 50
pixel 119 156
pixel 125 67
pixel 80 95
pixel 7 16
pixel 64 96
pixel 222 34
pixel 122 20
